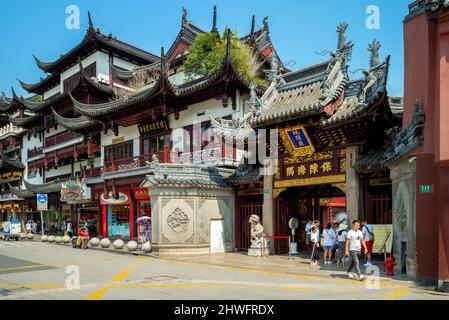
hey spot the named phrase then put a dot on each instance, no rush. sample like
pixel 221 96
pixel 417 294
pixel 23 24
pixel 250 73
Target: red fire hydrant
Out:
pixel 389 266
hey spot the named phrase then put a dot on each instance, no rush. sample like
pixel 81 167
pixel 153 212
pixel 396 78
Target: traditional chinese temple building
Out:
pixel 125 122
pixel 330 126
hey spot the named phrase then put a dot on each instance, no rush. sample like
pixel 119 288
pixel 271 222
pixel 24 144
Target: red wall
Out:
pixel 426 41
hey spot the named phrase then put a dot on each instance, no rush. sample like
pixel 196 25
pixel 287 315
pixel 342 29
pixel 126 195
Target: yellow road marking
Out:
pixel 305 277
pixel 97 295
pixel 29 267
pixel 32 286
pixel 398 293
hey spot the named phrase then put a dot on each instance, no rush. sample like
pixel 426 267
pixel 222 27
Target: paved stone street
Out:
pixel 34 270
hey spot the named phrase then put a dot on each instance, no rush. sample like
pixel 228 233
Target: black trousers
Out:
pixel 315 255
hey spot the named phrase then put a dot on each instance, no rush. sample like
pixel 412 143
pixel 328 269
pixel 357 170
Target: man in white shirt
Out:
pixel 354 243
pixel 368 236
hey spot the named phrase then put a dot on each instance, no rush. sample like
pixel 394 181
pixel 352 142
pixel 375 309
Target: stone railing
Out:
pixel 209 155
pixel 9 129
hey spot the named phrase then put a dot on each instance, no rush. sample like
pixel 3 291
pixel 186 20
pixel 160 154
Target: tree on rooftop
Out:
pixel 207 53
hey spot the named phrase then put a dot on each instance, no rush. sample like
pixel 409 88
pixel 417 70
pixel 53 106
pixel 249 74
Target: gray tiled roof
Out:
pixel 186 175
pixel 77 123
pixel 301 100
pixel 21 193
pixel 54 186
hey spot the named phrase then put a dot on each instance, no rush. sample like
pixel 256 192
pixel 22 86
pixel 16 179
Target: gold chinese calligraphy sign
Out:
pixel 310 181
pixel 297 141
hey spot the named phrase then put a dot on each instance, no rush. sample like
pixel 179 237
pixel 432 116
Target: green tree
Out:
pixel 208 52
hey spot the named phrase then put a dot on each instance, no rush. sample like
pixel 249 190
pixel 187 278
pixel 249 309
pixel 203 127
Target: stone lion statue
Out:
pixel 257 236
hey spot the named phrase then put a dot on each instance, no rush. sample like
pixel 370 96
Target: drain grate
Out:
pixel 161 278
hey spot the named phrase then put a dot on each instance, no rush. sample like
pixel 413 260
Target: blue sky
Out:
pixel 299 29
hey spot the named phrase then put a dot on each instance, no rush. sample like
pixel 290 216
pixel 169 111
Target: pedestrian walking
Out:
pixel 341 244
pixel 354 244
pixel 148 231
pixel 28 227
pixel 69 229
pixel 329 240
pixel 314 239
pixel 368 236
pixel 309 225
pixel 141 231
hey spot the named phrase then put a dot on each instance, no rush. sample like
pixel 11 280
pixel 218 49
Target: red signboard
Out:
pixel 141 193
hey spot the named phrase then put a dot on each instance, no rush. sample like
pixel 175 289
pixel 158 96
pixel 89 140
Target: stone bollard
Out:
pixel 146 247
pixel 94 242
pixel 44 238
pixel 51 239
pixel 66 239
pixel 58 240
pixel 23 235
pixel 118 244
pixel 132 246
pixel 105 243
pixel 30 236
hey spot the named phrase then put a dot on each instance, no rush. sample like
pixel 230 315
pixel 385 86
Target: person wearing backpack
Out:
pixel 329 238
pixel 368 235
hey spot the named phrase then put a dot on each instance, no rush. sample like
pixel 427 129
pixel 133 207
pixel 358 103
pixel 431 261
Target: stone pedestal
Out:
pixel 184 201
pixel 403 177
pixel 256 252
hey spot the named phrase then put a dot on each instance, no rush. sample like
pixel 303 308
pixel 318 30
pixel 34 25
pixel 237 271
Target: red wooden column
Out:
pixel 166 154
pixel 131 218
pixel 104 221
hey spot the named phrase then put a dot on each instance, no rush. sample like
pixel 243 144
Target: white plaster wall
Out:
pixel 189 116
pixel 102 65
pixel 33 142
pixel 177 78
pixel 123 64
pixel 52 92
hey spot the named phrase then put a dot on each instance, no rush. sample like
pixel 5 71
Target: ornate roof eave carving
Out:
pixel 54 186
pixel 8 162
pixel 84 82
pixel 21 193
pixel 97 39
pixel 421 6
pixel 407 139
pixel 21 122
pixel 38 88
pixel 74 124
pixel 372 89
pixel 101 109
pixel 5 103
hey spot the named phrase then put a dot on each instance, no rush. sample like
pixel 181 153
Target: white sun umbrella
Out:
pixel 143 219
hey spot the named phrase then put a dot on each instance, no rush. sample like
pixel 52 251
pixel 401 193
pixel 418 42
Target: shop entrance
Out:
pixel 305 204
pixel 118 221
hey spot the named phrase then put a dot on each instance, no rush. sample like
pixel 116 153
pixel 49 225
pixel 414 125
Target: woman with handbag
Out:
pixel 329 238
